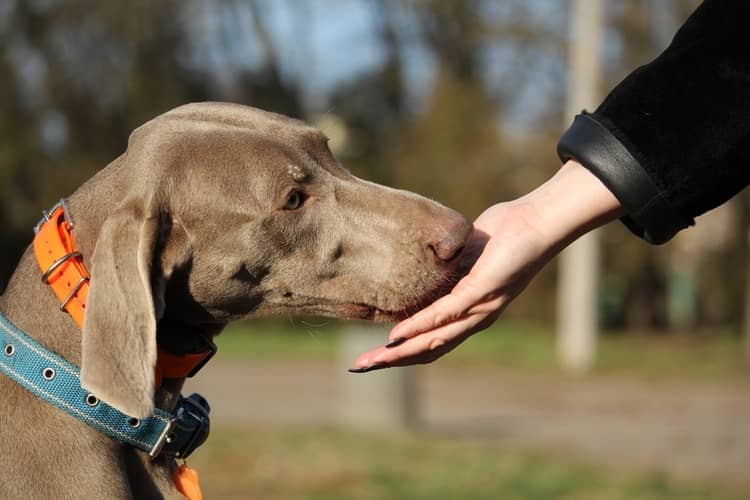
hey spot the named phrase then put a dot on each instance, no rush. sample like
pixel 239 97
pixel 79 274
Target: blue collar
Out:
pixel 57 381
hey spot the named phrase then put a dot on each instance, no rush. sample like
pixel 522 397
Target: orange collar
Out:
pixel 63 270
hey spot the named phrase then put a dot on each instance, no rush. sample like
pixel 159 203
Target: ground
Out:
pixel 686 429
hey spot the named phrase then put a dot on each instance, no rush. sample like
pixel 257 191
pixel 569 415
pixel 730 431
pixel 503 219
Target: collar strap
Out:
pixel 170 365
pixel 64 271
pixel 61 263
pixel 57 381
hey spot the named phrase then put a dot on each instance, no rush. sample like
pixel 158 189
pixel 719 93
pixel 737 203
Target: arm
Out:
pixel 516 240
pixel 672 140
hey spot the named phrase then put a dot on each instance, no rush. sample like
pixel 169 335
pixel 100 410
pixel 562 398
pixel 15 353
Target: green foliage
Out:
pixel 453 151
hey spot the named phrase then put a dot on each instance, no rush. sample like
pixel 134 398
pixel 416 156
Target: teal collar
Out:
pixel 57 381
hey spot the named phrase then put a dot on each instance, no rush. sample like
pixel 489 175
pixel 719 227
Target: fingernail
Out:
pixel 365 369
pixel 396 342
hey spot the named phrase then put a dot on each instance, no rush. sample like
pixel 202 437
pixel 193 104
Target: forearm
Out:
pixel 570 204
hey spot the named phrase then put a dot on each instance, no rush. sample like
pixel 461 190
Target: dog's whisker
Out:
pixel 323 324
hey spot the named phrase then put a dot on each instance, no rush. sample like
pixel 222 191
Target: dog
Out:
pixel 215 212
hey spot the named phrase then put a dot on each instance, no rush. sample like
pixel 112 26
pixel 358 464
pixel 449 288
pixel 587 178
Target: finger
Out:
pixel 484 310
pixel 490 305
pixel 428 346
pixel 419 344
pixel 366 359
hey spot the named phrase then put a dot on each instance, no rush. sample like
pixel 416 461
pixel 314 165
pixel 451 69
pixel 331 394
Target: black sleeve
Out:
pixel 672 140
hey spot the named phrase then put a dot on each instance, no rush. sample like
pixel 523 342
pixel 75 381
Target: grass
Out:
pixel 709 356
pixel 294 463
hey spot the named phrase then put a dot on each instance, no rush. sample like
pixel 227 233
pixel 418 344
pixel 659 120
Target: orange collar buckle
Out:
pixel 61 263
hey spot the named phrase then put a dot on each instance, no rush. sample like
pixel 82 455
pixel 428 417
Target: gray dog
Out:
pixel 215 212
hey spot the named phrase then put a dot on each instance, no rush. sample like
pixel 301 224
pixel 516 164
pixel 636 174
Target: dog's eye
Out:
pixel 294 200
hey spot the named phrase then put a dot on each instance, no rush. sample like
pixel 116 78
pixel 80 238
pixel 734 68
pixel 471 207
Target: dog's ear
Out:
pixel 124 303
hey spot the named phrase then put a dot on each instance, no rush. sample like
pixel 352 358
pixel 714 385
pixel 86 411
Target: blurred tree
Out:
pixel 462 103
pixel 373 105
pixel 460 149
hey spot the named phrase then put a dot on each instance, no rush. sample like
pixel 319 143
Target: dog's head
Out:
pixel 232 212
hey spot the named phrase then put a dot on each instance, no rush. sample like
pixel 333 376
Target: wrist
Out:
pixel 573 202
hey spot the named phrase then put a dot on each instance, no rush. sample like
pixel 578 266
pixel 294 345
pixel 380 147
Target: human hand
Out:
pixel 516 239
pixel 512 252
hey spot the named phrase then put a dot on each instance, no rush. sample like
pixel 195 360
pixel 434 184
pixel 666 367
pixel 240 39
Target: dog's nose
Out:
pixel 449 239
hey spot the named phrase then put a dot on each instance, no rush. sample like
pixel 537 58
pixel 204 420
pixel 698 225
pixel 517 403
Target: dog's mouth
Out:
pixel 364 311
pixel 373 313
pixel 442 287
pixel 378 315
pixel 369 312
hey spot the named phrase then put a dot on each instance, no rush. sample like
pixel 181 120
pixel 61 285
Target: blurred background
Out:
pixel 462 101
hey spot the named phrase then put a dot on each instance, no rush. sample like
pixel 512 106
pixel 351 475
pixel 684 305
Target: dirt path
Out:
pixel 684 429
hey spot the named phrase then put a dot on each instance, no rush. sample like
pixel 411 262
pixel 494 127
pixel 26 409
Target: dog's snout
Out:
pixel 446 249
pixel 449 238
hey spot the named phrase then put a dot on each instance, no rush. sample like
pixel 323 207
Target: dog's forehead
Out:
pixel 292 148
pixel 199 118
pixel 251 119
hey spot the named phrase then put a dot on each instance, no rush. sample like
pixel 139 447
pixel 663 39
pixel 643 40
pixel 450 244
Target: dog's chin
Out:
pixel 398 308
pixel 411 306
pixel 367 312
pixel 381 314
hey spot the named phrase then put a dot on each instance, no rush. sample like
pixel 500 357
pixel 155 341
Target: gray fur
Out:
pixel 185 232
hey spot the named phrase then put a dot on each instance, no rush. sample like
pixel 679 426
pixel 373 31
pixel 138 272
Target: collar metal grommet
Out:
pixel 134 423
pixel 48 373
pixel 91 400
pixel 10 350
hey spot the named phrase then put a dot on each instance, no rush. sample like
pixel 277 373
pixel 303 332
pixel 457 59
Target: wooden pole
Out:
pixel 385 399
pixel 579 264
pixel 746 322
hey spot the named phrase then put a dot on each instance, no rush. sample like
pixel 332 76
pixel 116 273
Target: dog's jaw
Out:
pixel 399 306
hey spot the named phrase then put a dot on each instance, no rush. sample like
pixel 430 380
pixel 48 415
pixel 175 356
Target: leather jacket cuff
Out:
pixel 649 214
